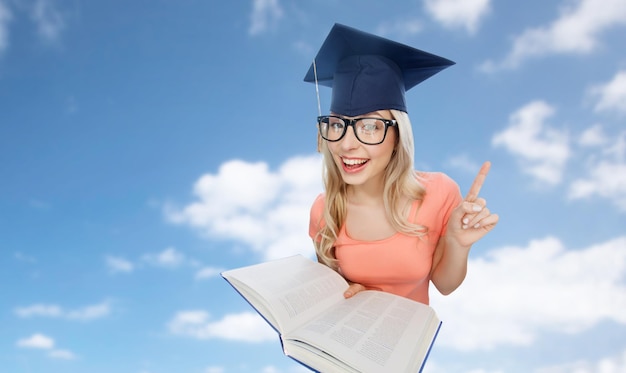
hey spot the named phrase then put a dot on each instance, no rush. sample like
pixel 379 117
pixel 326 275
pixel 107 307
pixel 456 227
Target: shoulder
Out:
pixel 437 183
pixel 442 196
pixel 318 203
pixel 316 221
pixel 442 192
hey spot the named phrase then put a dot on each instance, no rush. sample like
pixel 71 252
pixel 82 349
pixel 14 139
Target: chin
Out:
pixel 354 180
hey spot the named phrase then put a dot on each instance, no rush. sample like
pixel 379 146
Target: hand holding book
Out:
pixel 304 302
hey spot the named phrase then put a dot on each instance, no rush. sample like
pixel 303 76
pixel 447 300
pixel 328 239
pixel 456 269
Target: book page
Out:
pixel 293 289
pixel 372 332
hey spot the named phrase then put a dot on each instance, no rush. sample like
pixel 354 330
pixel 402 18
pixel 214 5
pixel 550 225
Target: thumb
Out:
pixel 352 290
pixel 458 212
pixel 466 207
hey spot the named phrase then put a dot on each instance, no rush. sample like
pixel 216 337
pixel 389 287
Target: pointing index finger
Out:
pixel 478 182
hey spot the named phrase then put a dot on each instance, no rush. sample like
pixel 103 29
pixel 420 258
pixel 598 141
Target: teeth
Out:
pixel 353 162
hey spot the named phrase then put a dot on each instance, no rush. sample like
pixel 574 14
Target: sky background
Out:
pixel 145 146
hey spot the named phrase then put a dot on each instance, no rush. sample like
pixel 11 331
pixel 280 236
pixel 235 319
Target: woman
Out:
pixel 379 223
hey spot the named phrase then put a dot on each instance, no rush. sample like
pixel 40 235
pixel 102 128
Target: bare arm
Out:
pixel 449 266
pixel 468 223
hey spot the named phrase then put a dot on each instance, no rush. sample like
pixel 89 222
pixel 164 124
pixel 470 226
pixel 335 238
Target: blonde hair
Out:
pixel 400 181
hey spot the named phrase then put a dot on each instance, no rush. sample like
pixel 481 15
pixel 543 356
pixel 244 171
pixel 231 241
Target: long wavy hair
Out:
pixel 400 181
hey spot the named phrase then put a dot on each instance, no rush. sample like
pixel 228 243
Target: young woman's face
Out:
pixel 361 164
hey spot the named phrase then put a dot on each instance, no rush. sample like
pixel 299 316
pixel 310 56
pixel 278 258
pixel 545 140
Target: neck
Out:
pixel 366 194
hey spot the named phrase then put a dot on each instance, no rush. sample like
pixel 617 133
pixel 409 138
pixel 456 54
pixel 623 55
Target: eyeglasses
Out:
pixel 369 131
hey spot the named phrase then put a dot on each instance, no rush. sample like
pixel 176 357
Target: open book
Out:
pixel 303 301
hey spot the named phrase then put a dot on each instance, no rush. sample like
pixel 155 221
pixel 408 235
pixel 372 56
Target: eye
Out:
pixel 371 125
pixel 335 125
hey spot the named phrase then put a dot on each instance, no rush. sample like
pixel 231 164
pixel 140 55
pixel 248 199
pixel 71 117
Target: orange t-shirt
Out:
pixel 399 264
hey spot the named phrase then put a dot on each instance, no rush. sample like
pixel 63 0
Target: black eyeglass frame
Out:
pixel 351 123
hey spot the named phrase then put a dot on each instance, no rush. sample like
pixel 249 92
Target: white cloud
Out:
pixel 606 179
pixel 463 162
pixel 170 258
pixel 5 18
pixel 611 96
pixel 593 136
pixel 62 354
pixel 91 312
pixel 38 341
pixel 434 367
pixel 86 313
pixel 265 13
pixel 292 369
pixel 513 294
pixel 214 369
pixel 48 19
pixel 45 310
pixel 606 168
pixel 465 14
pixel 542 151
pixel 575 31
pixel 609 364
pixel 207 272
pixel 248 203
pixel 242 327
pixel 303 48
pixel 117 264
pixel 401 28
pixel 43 342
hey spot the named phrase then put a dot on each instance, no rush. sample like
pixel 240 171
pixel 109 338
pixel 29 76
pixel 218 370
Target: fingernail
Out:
pixel 477 225
pixel 465 220
pixel 477 208
pixel 464 226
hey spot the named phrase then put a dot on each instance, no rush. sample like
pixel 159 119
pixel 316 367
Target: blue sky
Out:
pixel 146 146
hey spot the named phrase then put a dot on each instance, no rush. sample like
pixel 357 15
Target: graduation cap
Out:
pixel 369 73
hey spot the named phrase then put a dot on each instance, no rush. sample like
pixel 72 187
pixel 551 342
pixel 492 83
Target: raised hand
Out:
pixel 471 220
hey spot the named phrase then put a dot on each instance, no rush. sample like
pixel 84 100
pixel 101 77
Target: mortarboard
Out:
pixel 368 72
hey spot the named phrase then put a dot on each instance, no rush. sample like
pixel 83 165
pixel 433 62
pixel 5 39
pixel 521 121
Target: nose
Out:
pixel 349 140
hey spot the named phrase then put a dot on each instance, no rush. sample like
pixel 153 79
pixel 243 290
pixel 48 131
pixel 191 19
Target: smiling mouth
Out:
pixel 351 164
